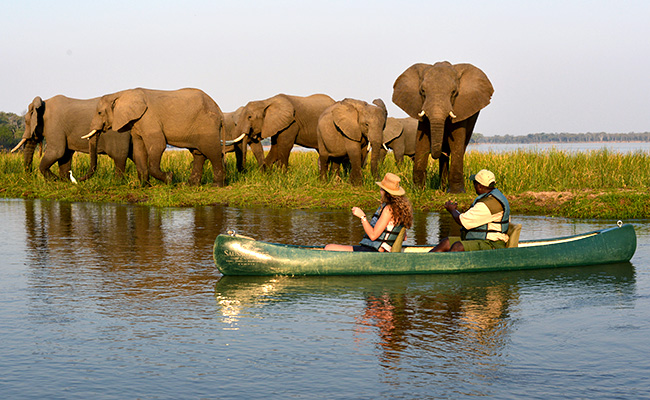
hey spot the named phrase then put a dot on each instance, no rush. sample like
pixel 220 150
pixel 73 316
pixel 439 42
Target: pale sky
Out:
pixel 556 66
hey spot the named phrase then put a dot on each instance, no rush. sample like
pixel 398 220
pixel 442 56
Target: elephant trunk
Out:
pixel 437 134
pixel 376 157
pixel 92 151
pixel 28 154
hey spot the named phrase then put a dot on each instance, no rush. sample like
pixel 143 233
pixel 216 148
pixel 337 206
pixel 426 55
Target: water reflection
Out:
pixel 121 250
pixel 462 318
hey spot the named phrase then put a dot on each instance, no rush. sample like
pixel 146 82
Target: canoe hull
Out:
pixel 235 255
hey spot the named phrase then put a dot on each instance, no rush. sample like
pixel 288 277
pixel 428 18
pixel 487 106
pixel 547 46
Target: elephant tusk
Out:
pixel 384 145
pixel 451 114
pixel 421 114
pixel 18 145
pixel 231 142
pixel 368 146
pixel 88 136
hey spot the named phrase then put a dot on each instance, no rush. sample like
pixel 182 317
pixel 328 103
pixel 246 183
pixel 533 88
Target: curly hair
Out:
pixel 401 208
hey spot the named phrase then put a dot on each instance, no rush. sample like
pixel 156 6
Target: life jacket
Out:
pixel 496 202
pixel 387 236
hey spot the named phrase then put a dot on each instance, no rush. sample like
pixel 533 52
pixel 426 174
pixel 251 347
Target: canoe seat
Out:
pixel 513 232
pixel 397 246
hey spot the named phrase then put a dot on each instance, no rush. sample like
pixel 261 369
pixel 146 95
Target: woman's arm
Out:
pixel 382 223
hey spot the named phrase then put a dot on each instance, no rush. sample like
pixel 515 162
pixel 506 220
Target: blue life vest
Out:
pixel 387 236
pixel 480 232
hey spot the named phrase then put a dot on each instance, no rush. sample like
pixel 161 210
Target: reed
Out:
pixel 596 184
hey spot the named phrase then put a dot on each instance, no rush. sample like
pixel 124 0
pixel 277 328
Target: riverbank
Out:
pixel 599 184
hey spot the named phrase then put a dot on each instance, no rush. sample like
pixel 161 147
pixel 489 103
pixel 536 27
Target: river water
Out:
pixel 111 301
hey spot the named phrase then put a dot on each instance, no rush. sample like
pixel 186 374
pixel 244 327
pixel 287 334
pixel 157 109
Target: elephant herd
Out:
pixel 442 100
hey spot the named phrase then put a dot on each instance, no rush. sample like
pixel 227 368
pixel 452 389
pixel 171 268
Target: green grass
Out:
pixel 598 184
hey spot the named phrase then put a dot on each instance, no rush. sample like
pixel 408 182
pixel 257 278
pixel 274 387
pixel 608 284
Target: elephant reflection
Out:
pixel 446 99
pixel 127 250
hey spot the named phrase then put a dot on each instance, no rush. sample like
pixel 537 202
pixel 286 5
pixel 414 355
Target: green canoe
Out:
pixel 240 255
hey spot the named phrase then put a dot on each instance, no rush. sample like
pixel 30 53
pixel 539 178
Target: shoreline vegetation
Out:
pixel 592 185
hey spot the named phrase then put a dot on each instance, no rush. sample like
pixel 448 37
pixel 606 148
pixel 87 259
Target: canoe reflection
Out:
pixel 473 313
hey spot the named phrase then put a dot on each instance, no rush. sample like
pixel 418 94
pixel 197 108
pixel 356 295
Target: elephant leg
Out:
pixel 443 169
pixel 323 166
pixel 120 166
pixel 65 165
pixel 49 158
pixel 198 161
pixel 335 168
pixel 216 159
pixel 155 145
pixel 421 158
pixel 140 158
pixel 119 159
pixel 240 156
pixel 356 161
pixel 398 151
pixel 283 146
pixel 270 158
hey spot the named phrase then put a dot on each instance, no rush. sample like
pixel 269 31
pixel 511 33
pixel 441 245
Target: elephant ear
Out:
pixel 474 91
pixel 36 109
pixel 346 119
pixel 128 107
pixel 406 90
pixel 393 130
pixel 278 115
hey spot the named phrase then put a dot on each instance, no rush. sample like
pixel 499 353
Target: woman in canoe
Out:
pixel 394 213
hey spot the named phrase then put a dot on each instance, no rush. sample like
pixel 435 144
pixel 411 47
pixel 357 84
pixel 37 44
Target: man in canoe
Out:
pixel 394 213
pixel 484 225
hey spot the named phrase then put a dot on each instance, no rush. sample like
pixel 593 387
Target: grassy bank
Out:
pixel 597 184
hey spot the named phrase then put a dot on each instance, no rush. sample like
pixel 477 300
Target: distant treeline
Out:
pixel 12 127
pixel 563 138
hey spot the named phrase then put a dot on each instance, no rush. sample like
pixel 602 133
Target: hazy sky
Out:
pixel 556 66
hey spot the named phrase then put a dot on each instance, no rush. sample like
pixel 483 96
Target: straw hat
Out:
pixel 484 177
pixel 390 183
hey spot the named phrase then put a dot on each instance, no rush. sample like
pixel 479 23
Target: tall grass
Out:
pixel 597 173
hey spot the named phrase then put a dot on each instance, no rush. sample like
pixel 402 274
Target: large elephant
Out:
pixel 62 121
pixel 287 120
pixel 399 136
pixel 186 118
pixel 446 99
pixel 237 142
pixel 344 131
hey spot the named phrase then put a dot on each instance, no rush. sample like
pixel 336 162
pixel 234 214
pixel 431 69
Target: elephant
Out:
pixel 186 118
pixel 62 121
pixel 287 120
pixel 399 136
pixel 234 141
pixel 446 100
pixel 344 131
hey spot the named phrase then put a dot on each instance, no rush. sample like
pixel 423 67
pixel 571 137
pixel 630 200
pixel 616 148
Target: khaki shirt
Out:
pixel 480 214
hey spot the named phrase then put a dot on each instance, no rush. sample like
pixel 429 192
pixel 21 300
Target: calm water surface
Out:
pixel 112 302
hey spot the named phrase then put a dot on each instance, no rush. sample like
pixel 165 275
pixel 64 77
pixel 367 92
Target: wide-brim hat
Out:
pixel 484 177
pixel 390 184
